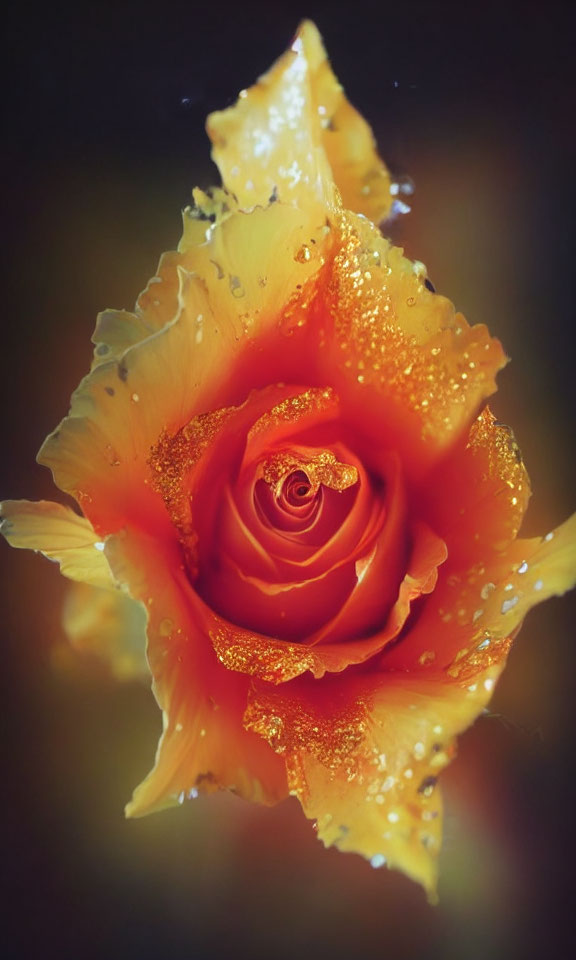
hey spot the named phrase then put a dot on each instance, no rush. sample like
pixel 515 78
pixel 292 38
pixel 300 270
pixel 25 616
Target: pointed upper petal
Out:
pixel 224 298
pixel 294 134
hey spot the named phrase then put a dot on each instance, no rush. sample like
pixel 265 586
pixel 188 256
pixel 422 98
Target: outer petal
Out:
pixel 407 362
pixel 61 535
pixel 222 303
pixel 490 580
pixel 477 497
pixel 294 134
pixel 363 756
pixel 109 625
pixel 204 746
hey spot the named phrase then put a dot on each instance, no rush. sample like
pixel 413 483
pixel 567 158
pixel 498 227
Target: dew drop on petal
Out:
pixel 378 860
pixel 508 604
pixel 427 657
pixel 303 254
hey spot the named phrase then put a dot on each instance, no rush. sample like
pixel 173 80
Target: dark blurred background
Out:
pixel 104 141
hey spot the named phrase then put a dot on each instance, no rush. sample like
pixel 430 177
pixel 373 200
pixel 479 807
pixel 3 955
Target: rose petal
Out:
pixel 490 579
pixel 290 610
pixel 363 755
pixel 61 535
pixel 203 746
pixel 428 552
pixel 474 617
pixel 414 371
pixel 380 567
pixel 109 625
pixel 99 452
pixel 278 661
pixel 294 134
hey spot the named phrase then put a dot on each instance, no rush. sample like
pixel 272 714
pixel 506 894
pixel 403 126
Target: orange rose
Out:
pixel 285 477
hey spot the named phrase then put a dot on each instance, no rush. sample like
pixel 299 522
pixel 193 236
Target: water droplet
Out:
pixel 487 590
pixel 539 584
pixel 426 788
pixel 419 750
pixel 236 288
pixel 427 657
pixel 523 567
pixel 488 683
pixel 112 456
pixel 485 644
pixel 399 207
pixel 303 255
pixel 406 185
pixel 548 537
pixel 135 398
pixel 393 817
pixel 99 546
pixel 508 604
pixel 378 860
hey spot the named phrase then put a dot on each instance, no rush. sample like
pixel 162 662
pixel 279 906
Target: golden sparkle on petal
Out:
pixel 293 409
pixel 496 441
pixel 270 660
pixel 292 727
pixel 174 454
pixel 320 468
pixel 412 354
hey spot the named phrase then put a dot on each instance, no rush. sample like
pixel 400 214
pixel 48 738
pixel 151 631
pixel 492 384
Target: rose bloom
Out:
pixel 290 484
